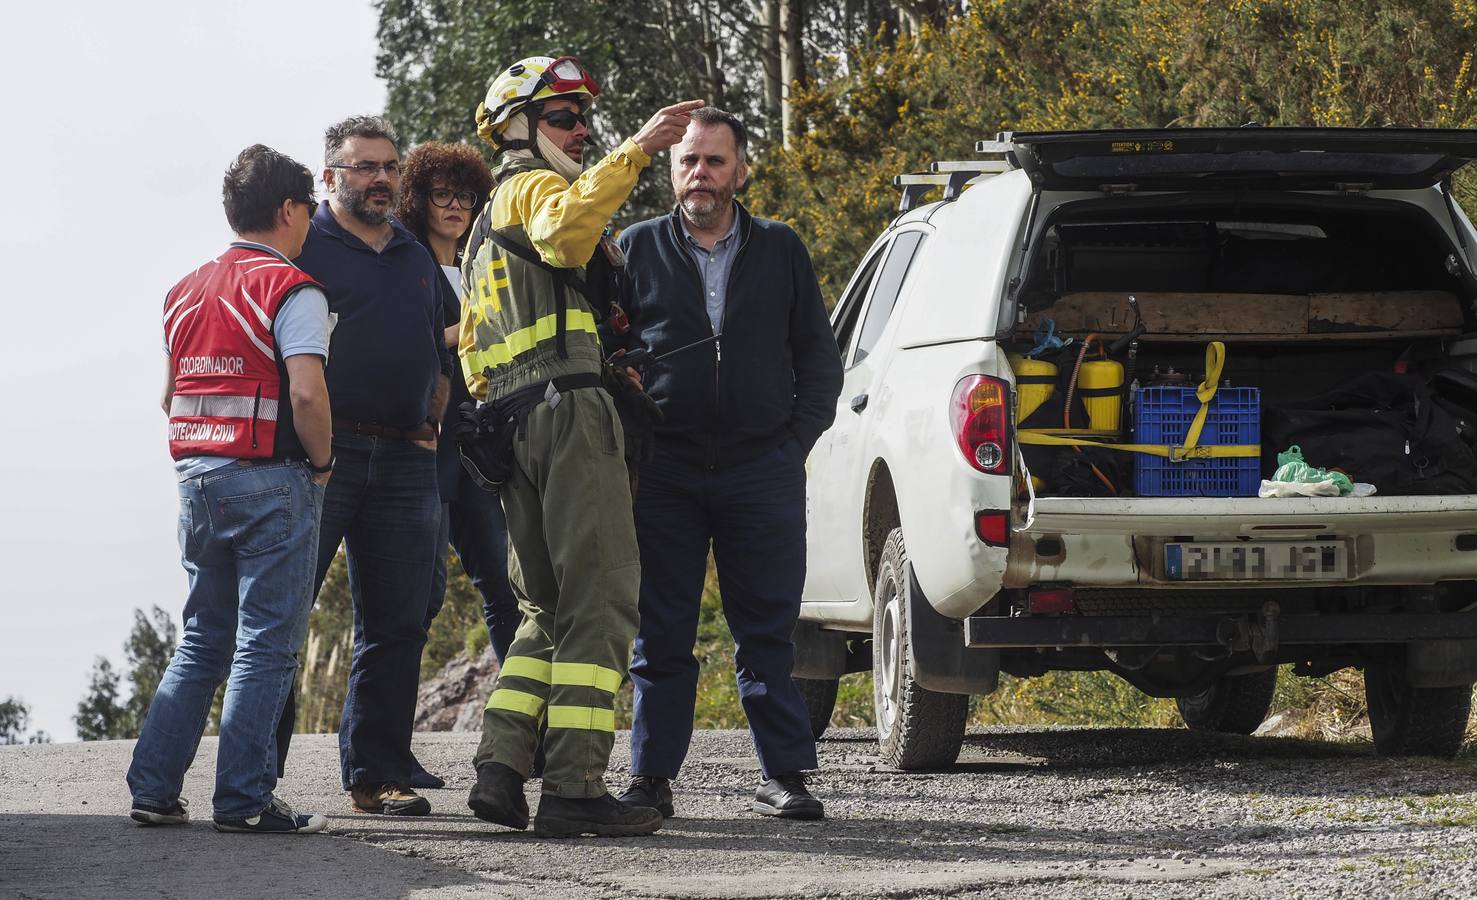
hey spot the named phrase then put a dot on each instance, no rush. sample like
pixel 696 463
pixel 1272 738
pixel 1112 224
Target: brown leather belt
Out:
pixel 422 432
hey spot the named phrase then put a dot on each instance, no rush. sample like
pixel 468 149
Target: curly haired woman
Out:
pixel 441 190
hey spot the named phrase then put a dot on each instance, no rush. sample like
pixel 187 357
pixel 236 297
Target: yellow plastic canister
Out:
pixel 1100 385
pixel 1035 383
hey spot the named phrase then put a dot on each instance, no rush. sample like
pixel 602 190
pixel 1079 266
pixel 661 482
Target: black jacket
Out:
pixel 775 372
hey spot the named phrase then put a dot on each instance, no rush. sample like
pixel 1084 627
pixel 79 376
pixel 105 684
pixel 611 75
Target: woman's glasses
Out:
pixel 442 197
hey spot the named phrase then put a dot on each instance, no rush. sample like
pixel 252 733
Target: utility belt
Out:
pixel 486 431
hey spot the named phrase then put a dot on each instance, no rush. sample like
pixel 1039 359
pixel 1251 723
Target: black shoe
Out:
pixel 176 813
pixel 785 796
pixel 603 816
pixel 277 818
pixel 498 796
pixel 420 778
pixel 655 793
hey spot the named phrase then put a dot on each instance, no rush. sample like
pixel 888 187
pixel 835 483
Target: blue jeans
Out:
pixel 383 504
pixel 248 535
pixel 754 515
pixel 473 523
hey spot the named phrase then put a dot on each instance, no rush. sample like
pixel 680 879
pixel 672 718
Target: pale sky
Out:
pixel 120 122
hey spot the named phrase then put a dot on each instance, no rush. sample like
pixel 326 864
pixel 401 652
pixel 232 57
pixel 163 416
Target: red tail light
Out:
pixel 1048 599
pixel 979 414
pixel 992 527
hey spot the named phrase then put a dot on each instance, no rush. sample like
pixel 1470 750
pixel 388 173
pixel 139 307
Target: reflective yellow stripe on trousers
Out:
pixel 589 718
pixel 512 698
pixel 586 717
pixel 587 675
pixel 524 339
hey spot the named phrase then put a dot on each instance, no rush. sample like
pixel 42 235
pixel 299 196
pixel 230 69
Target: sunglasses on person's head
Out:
pixel 564 119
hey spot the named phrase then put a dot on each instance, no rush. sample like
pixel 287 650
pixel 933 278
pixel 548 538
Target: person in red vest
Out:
pixel 246 335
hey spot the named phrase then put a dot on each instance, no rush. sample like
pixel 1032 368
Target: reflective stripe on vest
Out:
pixel 201 406
pixel 525 339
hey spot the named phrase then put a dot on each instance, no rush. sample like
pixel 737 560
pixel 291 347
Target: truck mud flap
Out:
pixel 936 648
pixel 819 654
pixel 1434 664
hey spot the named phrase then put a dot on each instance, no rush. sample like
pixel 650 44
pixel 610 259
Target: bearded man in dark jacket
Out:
pixel 740 414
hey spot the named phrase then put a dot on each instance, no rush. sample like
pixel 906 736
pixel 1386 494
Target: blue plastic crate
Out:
pixel 1162 415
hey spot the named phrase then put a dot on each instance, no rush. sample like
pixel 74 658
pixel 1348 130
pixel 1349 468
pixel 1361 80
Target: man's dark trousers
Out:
pixel 754 514
pixel 383 503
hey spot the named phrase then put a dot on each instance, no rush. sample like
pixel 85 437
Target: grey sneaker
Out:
pixel 176 813
pixel 277 818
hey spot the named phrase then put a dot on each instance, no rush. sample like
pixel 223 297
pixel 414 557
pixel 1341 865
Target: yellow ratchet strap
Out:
pixel 1215 359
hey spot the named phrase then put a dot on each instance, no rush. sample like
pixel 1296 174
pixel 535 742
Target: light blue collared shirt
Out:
pixel 714 266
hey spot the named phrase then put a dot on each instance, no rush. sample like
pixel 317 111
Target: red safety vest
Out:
pixel 230 384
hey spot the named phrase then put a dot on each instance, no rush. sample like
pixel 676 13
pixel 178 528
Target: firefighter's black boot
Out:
pixel 602 816
pixel 498 796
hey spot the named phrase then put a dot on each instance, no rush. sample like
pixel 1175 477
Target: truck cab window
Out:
pixel 889 284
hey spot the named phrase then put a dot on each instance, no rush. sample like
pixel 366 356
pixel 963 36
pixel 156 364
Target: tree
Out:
pixel 1061 64
pixel 15 715
pixel 149 648
pixel 438 57
pixel 100 717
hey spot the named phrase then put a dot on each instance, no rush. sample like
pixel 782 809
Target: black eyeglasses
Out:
pixel 442 197
pixel 564 119
pixel 369 169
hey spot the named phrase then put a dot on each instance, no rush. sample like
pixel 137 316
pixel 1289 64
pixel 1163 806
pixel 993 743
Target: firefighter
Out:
pixel 530 352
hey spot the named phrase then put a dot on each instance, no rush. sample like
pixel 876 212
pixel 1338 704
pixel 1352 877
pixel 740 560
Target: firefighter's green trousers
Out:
pixel 575 569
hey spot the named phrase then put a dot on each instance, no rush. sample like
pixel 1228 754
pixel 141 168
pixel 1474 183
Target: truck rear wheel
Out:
pixel 1233 704
pixel 1412 721
pixel 916 728
pixel 819 695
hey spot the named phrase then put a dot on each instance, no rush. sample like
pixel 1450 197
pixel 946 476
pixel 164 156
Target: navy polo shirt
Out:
pixel 388 346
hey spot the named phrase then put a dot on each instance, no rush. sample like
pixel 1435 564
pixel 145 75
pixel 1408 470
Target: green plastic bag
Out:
pixel 1292 467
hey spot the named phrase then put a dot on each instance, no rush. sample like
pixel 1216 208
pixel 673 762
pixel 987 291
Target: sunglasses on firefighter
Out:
pixel 564 119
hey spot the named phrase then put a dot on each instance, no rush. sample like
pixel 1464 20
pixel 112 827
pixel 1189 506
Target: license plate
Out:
pixel 1262 561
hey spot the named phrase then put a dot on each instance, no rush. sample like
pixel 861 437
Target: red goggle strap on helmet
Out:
pixel 565 75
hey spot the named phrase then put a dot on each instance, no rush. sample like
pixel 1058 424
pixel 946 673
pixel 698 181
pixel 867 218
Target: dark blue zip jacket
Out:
pixel 775 372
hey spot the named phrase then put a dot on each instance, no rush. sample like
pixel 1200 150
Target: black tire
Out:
pixel 1412 721
pixel 819 695
pixel 1234 704
pixel 916 728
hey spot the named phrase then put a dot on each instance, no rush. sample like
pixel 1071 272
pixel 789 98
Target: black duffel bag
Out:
pixel 1382 428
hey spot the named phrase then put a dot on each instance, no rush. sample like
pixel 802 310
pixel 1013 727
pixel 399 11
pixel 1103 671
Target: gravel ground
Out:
pixel 1026 813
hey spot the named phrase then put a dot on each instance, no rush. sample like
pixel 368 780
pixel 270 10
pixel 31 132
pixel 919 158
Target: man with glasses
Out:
pixel 530 350
pixel 246 336
pixel 388 376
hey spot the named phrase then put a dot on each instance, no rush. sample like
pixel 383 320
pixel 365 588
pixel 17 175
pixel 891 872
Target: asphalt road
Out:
pixel 1079 813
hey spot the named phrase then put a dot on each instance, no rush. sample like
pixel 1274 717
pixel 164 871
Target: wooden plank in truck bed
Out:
pixel 1258 317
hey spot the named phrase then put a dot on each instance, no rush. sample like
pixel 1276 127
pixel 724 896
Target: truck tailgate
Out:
pixel 1111 542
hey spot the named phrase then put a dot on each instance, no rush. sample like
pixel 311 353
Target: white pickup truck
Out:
pixel 938 558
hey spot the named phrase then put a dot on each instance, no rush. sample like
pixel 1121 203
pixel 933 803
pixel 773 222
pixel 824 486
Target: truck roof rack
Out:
pixel 951 175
